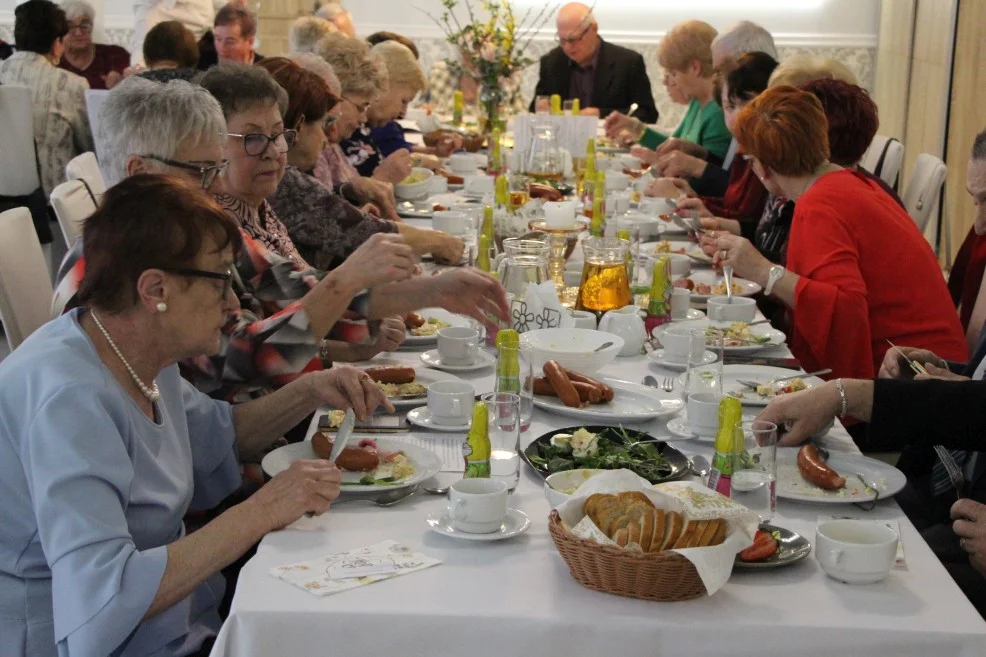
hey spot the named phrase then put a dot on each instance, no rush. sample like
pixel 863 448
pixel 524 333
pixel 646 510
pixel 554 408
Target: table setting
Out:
pixel 557 487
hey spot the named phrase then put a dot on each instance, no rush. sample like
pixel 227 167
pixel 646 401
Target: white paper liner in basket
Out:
pixel 714 564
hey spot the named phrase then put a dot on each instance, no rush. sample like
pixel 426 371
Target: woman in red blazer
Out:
pixel 858 271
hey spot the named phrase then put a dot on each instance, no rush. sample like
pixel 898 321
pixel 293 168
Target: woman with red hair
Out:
pixel 858 271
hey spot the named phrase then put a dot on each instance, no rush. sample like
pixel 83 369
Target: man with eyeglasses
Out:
pixel 603 76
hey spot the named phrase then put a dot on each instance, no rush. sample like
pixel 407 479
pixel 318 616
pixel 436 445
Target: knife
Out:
pixel 787 363
pixel 343 434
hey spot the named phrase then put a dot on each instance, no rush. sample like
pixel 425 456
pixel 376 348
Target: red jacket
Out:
pixel 867 275
pixel 744 199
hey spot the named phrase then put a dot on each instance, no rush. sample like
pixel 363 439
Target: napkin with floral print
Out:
pixel 354 568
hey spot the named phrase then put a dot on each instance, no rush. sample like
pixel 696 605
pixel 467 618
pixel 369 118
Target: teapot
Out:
pixel 627 323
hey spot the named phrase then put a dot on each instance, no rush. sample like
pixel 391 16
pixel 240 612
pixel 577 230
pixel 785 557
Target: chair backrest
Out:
pixel 84 167
pixel 25 288
pixel 923 190
pixel 18 158
pixel 94 105
pixel 884 158
pixel 73 204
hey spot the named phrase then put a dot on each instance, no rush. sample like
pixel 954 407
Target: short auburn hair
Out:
pixel 147 221
pixel 688 42
pixel 852 117
pixel 235 15
pixel 173 42
pixel 785 128
pixel 308 94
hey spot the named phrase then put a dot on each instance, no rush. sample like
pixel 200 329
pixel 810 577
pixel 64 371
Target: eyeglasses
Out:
pixel 226 278
pixel 256 143
pixel 209 173
pixel 82 28
pixel 582 29
pixel 329 121
pixel 360 109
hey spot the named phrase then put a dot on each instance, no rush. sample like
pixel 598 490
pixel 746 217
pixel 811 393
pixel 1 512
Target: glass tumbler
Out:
pixel 503 411
pixel 754 482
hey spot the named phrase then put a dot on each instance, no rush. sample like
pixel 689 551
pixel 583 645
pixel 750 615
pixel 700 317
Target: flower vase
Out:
pixel 491 113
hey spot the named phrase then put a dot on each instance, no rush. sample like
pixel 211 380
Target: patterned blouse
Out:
pixel 263 225
pixel 333 169
pixel 267 343
pixel 58 99
pixel 362 151
pixel 325 227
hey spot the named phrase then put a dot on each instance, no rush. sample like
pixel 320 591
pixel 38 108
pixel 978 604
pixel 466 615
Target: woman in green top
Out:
pixel 686 55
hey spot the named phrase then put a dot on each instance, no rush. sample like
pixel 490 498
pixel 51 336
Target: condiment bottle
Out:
pixel 730 414
pixel 458 102
pixel 598 223
pixel 476 448
pixel 483 254
pixel 487 230
pixel 659 307
pixel 507 363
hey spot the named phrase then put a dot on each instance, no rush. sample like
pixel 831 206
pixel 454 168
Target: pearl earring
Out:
pixel 162 307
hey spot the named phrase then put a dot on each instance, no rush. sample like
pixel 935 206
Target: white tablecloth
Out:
pixel 516 597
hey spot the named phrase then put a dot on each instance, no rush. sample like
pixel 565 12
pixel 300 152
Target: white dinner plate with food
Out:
pixel 885 478
pixel 421 464
pixel 698 256
pixel 631 403
pixel 435 319
pixel 740 337
pixel 731 374
pixel 707 283
pixel 416 392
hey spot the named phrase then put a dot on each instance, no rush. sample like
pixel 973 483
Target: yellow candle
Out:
pixel 502 190
pixel 576 107
pixel 555 104
pixel 458 102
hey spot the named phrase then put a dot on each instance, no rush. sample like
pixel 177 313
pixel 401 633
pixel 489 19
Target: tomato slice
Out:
pixel 763 547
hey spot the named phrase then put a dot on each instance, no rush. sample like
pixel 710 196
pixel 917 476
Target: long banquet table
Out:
pixel 516 597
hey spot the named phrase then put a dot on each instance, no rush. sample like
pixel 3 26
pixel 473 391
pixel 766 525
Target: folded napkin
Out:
pixel 539 309
pixel 354 568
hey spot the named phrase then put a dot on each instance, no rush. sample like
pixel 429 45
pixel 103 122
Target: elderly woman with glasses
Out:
pixel 324 226
pixel 106 446
pixel 102 65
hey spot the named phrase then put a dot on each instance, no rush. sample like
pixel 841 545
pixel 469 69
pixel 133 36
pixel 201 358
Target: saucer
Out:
pixel 431 358
pixel 679 427
pixel 693 315
pixel 422 418
pixel 679 366
pixel 515 523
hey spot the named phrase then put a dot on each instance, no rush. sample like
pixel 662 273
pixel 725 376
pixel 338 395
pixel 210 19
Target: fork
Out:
pixel 954 474
pixel 667 383
pixel 868 506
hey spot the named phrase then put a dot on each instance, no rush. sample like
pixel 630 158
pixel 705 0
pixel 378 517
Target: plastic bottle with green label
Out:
pixel 730 414
pixel 476 448
pixel 507 362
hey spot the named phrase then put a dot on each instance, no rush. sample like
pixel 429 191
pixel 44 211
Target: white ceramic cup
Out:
pixel 742 309
pixel 472 210
pixel 461 163
pixel 584 319
pixel 458 345
pixel 479 184
pixel 477 506
pixel 437 184
pixel 450 402
pixel 617 181
pixel 619 201
pixel 703 413
pixel 654 205
pixel 681 300
pixel 677 343
pixel 855 551
pixel 451 222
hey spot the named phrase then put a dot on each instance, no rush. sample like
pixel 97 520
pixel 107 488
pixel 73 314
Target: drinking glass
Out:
pixel 542 105
pixel 544 159
pixel 702 377
pixel 754 482
pixel 503 411
pixel 515 374
pixel 566 107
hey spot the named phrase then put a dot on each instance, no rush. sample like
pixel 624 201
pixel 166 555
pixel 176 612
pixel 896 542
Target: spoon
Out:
pixel 699 465
pixel 727 272
pixel 605 345
pixel 633 108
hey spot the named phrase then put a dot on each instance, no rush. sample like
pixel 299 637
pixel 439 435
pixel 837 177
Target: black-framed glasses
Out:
pixel 208 172
pixel 82 28
pixel 255 143
pixel 226 278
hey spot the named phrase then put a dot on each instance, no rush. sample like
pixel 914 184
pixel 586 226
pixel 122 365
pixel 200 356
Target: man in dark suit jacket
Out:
pixel 603 76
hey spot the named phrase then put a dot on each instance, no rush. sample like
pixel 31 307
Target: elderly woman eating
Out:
pixel 847 288
pixel 325 227
pixel 106 446
pixel 102 65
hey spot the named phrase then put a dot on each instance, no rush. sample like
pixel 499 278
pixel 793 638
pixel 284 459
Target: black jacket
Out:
pixel 621 79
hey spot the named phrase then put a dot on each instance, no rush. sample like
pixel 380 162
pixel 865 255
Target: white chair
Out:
pixel 18 159
pixel 923 190
pixel 25 289
pixel 884 158
pixel 85 167
pixel 73 204
pixel 94 105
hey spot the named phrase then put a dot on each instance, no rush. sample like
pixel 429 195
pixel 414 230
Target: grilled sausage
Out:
pixel 391 374
pixel 563 386
pixel 413 321
pixel 587 393
pixel 607 392
pixel 815 470
pixel 354 459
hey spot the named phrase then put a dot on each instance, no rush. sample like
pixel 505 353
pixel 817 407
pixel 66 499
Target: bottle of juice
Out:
pixel 659 307
pixel 458 103
pixel 483 254
pixel 487 230
pixel 730 414
pixel 476 448
pixel 598 222
pixel 507 363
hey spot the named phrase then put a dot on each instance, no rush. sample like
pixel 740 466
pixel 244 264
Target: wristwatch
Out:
pixel 775 274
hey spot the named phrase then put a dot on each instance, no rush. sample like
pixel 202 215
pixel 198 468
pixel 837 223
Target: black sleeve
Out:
pixel 712 182
pixel 640 92
pixel 712 158
pixel 926 413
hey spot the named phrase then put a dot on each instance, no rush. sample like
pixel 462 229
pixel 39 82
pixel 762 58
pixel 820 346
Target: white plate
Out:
pixel 631 403
pixel 760 373
pixel 425 377
pixel 515 523
pixel 747 288
pixel 694 314
pixel 439 314
pixel 698 257
pixel 660 359
pixel 426 464
pixel 761 330
pixel 432 358
pixel 422 418
pixel 791 485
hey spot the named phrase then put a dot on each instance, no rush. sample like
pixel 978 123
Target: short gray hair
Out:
pixel 239 87
pixel 312 62
pixel 141 117
pixel 358 70
pixel 745 37
pixel 306 31
pixel 77 8
pixel 979 146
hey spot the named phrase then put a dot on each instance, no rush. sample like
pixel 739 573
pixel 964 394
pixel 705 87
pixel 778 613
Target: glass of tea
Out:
pixel 605 282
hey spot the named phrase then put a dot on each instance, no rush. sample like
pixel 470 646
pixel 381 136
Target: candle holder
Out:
pixel 562 241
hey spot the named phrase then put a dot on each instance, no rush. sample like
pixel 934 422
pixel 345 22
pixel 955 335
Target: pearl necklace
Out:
pixel 153 393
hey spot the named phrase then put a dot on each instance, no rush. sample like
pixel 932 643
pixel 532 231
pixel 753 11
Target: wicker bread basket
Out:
pixel 663 576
